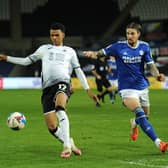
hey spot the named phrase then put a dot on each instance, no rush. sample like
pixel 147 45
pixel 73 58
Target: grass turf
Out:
pixel 102 133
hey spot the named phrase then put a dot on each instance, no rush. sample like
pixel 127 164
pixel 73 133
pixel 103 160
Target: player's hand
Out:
pixel 161 77
pixel 93 97
pixel 90 54
pixel 3 57
pixel 98 77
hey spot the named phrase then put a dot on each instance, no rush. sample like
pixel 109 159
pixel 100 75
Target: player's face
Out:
pixel 132 36
pixel 57 37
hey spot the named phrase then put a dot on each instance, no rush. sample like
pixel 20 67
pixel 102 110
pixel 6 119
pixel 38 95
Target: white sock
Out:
pixel 157 142
pixel 59 135
pixel 134 122
pixel 64 132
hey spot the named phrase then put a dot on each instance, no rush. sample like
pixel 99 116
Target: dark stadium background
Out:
pixel 90 25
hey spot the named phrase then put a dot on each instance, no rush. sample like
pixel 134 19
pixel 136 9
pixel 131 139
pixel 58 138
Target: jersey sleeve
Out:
pixel 74 61
pixel 38 54
pixel 18 60
pixel 29 59
pixel 148 55
pixel 110 49
pixel 81 76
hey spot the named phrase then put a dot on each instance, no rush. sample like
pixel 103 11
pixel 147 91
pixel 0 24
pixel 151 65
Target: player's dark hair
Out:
pixel 134 25
pixel 57 25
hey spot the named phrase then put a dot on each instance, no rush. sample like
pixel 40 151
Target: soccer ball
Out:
pixel 16 120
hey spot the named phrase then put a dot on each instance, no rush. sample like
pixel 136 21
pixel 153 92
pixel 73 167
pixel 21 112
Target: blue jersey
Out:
pixel 130 63
pixel 112 64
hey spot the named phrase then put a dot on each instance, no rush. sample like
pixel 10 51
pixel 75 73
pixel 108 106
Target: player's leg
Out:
pixel 99 85
pixel 113 91
pixel 49 112
pixel 134 105
pixel 111 94
pixel 147 111
pixel 144 102
pixel 52 125
pixel 134 129
pixel 74 148
pixel 60 104
pixel 115 86
pixel 61 132
pixel 131 101
pixel 108 87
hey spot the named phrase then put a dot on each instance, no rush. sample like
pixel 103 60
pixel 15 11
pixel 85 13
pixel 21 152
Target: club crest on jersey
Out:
pixel 141 52
pixel 125 53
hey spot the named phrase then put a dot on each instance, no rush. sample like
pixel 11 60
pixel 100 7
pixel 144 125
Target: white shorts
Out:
pixel 114 83
pixel 142 95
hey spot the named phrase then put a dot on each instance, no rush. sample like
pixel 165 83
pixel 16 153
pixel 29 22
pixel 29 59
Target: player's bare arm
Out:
pixel 92 96
pixel 93 54
pixel 155 72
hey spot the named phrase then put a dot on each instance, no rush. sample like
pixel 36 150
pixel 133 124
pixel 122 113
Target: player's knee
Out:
pixel 59 108
pixel 52 129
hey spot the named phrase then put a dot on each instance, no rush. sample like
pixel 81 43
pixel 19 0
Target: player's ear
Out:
pixel 139 34
pixel 63 34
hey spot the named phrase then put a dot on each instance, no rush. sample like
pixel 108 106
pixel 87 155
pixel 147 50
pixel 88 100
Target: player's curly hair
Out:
pixel 57 25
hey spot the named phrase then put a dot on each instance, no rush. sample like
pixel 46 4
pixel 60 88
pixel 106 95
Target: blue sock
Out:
pixel 136 120
pixel 144 123
pixel 111 95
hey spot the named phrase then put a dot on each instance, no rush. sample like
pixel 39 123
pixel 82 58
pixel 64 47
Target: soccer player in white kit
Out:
pixel 56 62
pixel 131 55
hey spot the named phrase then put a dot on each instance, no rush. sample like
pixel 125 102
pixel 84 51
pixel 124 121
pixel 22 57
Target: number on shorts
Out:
pixel 62 86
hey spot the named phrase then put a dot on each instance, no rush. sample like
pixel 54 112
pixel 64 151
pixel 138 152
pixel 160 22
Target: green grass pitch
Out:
pixel 101 133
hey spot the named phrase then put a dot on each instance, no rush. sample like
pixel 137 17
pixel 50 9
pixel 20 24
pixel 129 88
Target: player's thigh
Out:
pixel 131 103
pixel 61 99
pixel 130 98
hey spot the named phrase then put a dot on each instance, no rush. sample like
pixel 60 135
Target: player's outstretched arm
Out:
pixel 16 60
pixel 90 54
pixel 93 54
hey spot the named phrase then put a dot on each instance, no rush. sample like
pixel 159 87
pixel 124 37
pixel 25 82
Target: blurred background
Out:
pixel 24 26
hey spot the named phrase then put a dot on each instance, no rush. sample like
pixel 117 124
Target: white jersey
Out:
pixel 56 61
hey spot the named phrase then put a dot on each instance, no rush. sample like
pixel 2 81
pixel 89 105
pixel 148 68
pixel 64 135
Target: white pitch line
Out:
pixel 143 164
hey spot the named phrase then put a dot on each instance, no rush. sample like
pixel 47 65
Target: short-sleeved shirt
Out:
pixel 130 63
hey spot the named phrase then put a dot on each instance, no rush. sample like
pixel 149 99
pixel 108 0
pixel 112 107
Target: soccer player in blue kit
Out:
pixel 131 55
